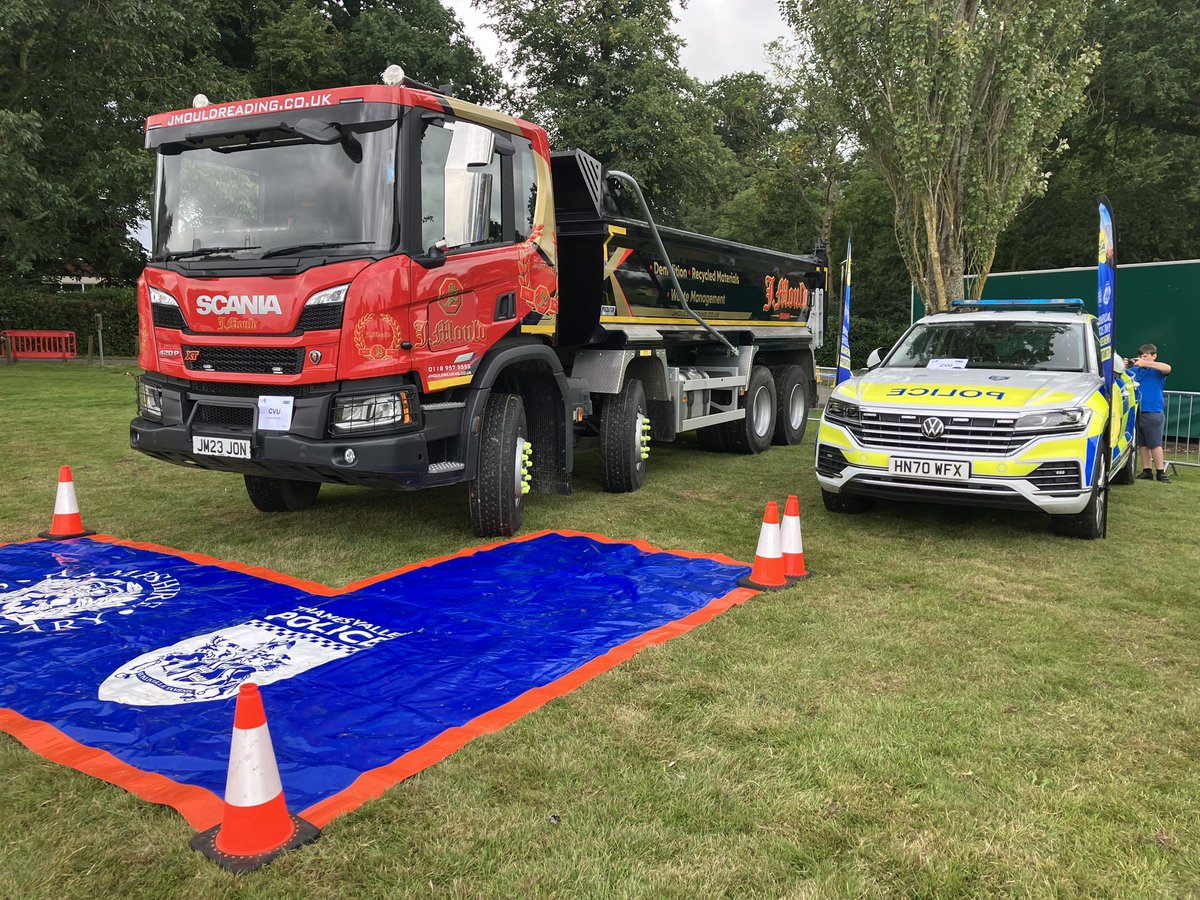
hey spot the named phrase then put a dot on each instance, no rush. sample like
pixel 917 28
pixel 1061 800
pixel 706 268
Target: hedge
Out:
pixel 76 311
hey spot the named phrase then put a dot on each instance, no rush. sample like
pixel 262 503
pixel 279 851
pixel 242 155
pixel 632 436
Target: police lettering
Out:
pixel 963 393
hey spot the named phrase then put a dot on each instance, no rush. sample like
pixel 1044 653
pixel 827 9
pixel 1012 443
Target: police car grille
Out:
pixel 321 317
pixel 1060 476
pixel 902 431
pixel 830 461
pixel 248 360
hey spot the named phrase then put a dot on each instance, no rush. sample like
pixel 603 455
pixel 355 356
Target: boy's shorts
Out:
pixel 1150 429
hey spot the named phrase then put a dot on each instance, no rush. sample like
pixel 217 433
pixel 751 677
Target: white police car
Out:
pixel 999 403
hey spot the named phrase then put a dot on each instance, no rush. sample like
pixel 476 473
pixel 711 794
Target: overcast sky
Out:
pixel 722 36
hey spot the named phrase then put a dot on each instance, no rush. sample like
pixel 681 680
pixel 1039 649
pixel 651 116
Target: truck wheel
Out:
pixel 624 439
pixel 851 504
pixel 791 410
pixel 1089 523
pixel 281 494
pixel 712 438
pixel 497 494
pixel 753 433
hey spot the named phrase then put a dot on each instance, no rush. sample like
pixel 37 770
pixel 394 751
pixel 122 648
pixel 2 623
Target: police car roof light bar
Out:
pixel 1072 304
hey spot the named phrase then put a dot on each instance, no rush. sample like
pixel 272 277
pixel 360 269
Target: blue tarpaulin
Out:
pixel 124 660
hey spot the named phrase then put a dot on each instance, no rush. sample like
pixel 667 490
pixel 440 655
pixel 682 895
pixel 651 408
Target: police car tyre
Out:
pixel 791 411
pixel 281 494
pixel 1088 524
pixel 753 434
pixel 851 504
pixel 622 468
pixel 495 497
pixel 1127 474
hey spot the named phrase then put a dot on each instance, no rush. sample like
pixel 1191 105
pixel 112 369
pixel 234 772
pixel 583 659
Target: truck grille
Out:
pixel 220 389
pixel 982 435
pixel 248 360
pixel 167 316
pixel 225 416
pixel 321 317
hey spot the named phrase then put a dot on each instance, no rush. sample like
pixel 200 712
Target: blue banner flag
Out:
pixel 124 660
pixel 843 369
pixel 1106 292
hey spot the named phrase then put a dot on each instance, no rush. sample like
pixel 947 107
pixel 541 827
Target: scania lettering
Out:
pixel 443 300
pixel 999 403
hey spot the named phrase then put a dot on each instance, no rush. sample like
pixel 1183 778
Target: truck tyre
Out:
pixel 753 434
pixel 712 438
pixel 851 504
pixel 791 411
pixel 497 494
pixel 624 439
pixel 1089 523
pixel 281 494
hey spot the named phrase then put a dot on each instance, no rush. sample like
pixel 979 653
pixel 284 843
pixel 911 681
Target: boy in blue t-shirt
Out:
pixel 1150 374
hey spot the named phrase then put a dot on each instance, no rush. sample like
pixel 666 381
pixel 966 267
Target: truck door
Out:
pixel 464 305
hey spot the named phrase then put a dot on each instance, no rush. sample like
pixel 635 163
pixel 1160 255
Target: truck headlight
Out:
pixel 840 409
pixel 359 413
pixel 329 295
pixel 1054 419
pixel 149 400
pixel 162 298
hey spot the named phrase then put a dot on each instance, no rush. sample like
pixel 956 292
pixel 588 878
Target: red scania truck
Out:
pixel 386 285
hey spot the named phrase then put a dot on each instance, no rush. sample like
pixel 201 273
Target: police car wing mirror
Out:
pixel 875 358
pixel 1118 365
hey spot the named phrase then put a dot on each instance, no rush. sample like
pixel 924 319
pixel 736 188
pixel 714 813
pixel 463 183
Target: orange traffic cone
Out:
pixel 256 826
pixel 67 522
pixel 793 543
pixel 767 573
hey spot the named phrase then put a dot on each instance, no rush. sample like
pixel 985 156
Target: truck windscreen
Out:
pixel 250 198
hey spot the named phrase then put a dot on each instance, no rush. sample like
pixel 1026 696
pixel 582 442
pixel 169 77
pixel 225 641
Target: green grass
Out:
pixel 957 703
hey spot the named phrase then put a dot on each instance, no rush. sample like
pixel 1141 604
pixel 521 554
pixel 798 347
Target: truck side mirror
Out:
pixel 875 358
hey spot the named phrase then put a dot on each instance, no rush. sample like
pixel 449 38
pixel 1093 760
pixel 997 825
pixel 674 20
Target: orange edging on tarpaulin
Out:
pixel 202 808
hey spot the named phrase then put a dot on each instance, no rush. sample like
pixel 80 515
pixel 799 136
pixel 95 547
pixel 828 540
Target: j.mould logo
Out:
pixel 69 600
pixel 212 666
pixel 377 336
pixel 781 295
pixel 450 296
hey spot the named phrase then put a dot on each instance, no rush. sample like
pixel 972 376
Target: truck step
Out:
pixel 439 406
pixel 439 468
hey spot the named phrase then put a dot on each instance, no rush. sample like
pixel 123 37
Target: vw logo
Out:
pixel 933 428
pixel 315 356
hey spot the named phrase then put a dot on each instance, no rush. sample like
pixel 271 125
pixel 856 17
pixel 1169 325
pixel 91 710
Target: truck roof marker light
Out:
pixel 200 101
pixel 393 76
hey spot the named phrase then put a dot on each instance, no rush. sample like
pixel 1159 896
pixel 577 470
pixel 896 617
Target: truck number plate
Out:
pixel 215 446
pixel 942 469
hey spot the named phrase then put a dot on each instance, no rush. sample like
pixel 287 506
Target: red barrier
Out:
pixel 38 344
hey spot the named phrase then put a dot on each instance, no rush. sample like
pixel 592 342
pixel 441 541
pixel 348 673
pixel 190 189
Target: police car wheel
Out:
pixel 791 411
pixel 851 504
pixel 495 495
pixel 281 494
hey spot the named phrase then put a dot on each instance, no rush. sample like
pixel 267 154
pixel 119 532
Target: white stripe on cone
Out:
pixel 64 501
pixel 253 776
pixel 769 546
pixel 793 543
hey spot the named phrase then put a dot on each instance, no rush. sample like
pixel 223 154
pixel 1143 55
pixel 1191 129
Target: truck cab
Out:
pixel 998 403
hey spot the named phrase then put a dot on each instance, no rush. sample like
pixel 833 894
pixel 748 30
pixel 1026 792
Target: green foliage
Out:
pixel 604 76
pixel 76 311
pixel 953 101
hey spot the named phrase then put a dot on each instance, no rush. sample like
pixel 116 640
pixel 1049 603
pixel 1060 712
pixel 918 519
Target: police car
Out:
pixel 999 403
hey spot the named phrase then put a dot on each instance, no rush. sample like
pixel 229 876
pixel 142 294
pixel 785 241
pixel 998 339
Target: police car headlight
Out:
pixel 840 409
pixel 162 298
pixel 329 295
pixel 1055 418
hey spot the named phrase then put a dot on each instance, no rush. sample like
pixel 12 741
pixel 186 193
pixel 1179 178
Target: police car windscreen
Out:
pixel 1051 346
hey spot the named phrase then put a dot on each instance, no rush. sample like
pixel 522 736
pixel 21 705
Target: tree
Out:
pixel 604 76
pixel 955 102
